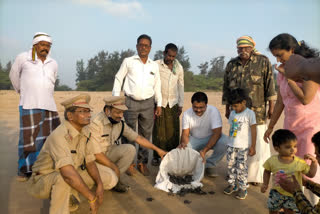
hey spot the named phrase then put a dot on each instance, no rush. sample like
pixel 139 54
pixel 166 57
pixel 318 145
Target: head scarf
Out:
pixel 38 37
pixel 247 41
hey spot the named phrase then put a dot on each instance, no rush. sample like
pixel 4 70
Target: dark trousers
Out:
pixel 143 113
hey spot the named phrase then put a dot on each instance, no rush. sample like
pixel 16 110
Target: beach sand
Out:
pixel 14 198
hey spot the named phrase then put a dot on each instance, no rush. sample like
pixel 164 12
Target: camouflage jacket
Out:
pixel 302 202
pixel 256 77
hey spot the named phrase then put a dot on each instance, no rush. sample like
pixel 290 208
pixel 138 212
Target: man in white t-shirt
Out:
pixel 202 130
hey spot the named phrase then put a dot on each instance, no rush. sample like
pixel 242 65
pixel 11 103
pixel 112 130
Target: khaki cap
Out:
pixel 81 100
pixel 116 102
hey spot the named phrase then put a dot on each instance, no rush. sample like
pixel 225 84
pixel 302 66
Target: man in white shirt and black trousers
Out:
pixel 33 75
pixel 142 88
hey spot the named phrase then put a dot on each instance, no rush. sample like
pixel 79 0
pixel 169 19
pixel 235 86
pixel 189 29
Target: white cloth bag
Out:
pixel 180 162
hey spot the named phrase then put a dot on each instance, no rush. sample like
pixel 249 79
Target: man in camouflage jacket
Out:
pixel 252 72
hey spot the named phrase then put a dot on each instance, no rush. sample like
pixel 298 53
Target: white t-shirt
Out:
pixel 240 131
pixel 201 127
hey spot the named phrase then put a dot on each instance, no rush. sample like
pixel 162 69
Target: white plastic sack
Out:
pixel 180 162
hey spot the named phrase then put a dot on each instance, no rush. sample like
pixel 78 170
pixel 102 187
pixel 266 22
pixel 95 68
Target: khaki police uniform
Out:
pixel 65 146
pixel 104 134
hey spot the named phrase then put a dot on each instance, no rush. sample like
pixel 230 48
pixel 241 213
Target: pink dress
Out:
pixel 302 120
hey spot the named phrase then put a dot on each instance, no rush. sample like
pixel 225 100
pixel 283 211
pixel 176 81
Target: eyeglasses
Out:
pixel 143 46
pixel 87 111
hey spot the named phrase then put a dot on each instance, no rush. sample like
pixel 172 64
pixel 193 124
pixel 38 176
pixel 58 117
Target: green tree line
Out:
pixel 100 71
pixel 5 83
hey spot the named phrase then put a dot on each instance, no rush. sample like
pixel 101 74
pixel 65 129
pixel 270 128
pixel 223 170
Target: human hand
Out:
pixel 310 157
pixel 266 136
pixel 94 205
pixel 182 145
pixel 158 111
pixel 280 68
pixel 289 185
pixel 293 67
pixel 99 193
pixel 252 151
pixel 116 170
pixel 162 153
pixel 179 111
pixel 203 155
pixel 264 188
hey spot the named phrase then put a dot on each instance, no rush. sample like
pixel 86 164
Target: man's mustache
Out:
pixel 244 53
pixel 44 51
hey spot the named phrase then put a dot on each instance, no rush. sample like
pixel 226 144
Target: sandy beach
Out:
pixel 14 198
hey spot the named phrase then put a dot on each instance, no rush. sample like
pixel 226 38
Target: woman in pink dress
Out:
pixel 299 100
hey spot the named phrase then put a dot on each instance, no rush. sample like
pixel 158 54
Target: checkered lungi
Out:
pixel 35 126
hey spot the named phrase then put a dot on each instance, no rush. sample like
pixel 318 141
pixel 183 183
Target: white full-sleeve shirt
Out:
pixel 34 80
pixel 172 84
pixel 141 81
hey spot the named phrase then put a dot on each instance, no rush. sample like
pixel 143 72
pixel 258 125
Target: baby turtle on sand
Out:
pixel 187 202
pixel 149 199
pixel 180 180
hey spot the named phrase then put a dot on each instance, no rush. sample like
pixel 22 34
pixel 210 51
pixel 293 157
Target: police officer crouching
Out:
pixel 106 128
pixel 66 163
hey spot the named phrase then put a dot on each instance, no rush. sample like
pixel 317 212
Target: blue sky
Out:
pixel 206 28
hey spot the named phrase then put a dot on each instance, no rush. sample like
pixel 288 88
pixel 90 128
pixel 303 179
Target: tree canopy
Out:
pixel 100 71
pixel 5 83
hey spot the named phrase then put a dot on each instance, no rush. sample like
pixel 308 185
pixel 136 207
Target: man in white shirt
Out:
pixel 202 130
pixel 142 88
pixel 166 130
pixel 33 75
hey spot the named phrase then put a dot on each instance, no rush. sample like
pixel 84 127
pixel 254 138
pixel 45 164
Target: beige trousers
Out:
pixel 122 155
pixel 53 186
